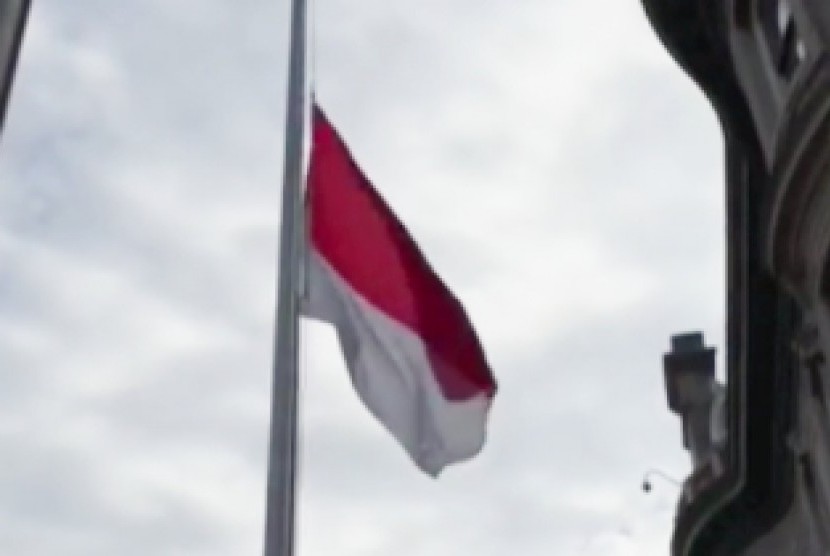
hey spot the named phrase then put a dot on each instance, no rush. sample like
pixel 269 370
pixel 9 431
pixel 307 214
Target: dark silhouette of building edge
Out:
pixel 13 17
pixel 763 66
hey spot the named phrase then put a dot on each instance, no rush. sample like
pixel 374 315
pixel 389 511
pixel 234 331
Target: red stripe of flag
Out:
pixel 358 235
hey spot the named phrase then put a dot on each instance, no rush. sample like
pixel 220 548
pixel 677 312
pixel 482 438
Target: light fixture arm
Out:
pixel 661 474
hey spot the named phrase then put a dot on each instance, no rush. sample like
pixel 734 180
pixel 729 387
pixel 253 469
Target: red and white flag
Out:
pixel 410 348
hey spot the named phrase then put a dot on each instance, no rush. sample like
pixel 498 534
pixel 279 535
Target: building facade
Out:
pixel 764 65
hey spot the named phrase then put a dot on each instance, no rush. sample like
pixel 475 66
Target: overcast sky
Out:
pixel 560 172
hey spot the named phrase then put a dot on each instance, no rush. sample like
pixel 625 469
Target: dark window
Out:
pixel 785 45
pixel 816 384
pixel 824 284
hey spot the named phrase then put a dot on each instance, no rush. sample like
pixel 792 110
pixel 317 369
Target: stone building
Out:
pixel 763 488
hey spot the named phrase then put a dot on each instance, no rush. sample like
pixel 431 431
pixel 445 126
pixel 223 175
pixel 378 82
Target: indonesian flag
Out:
pixel 410 348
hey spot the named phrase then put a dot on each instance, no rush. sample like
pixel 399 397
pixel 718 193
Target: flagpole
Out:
pixel 282 450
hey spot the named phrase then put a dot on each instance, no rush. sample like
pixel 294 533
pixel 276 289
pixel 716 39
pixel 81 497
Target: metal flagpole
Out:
pixel 282 451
